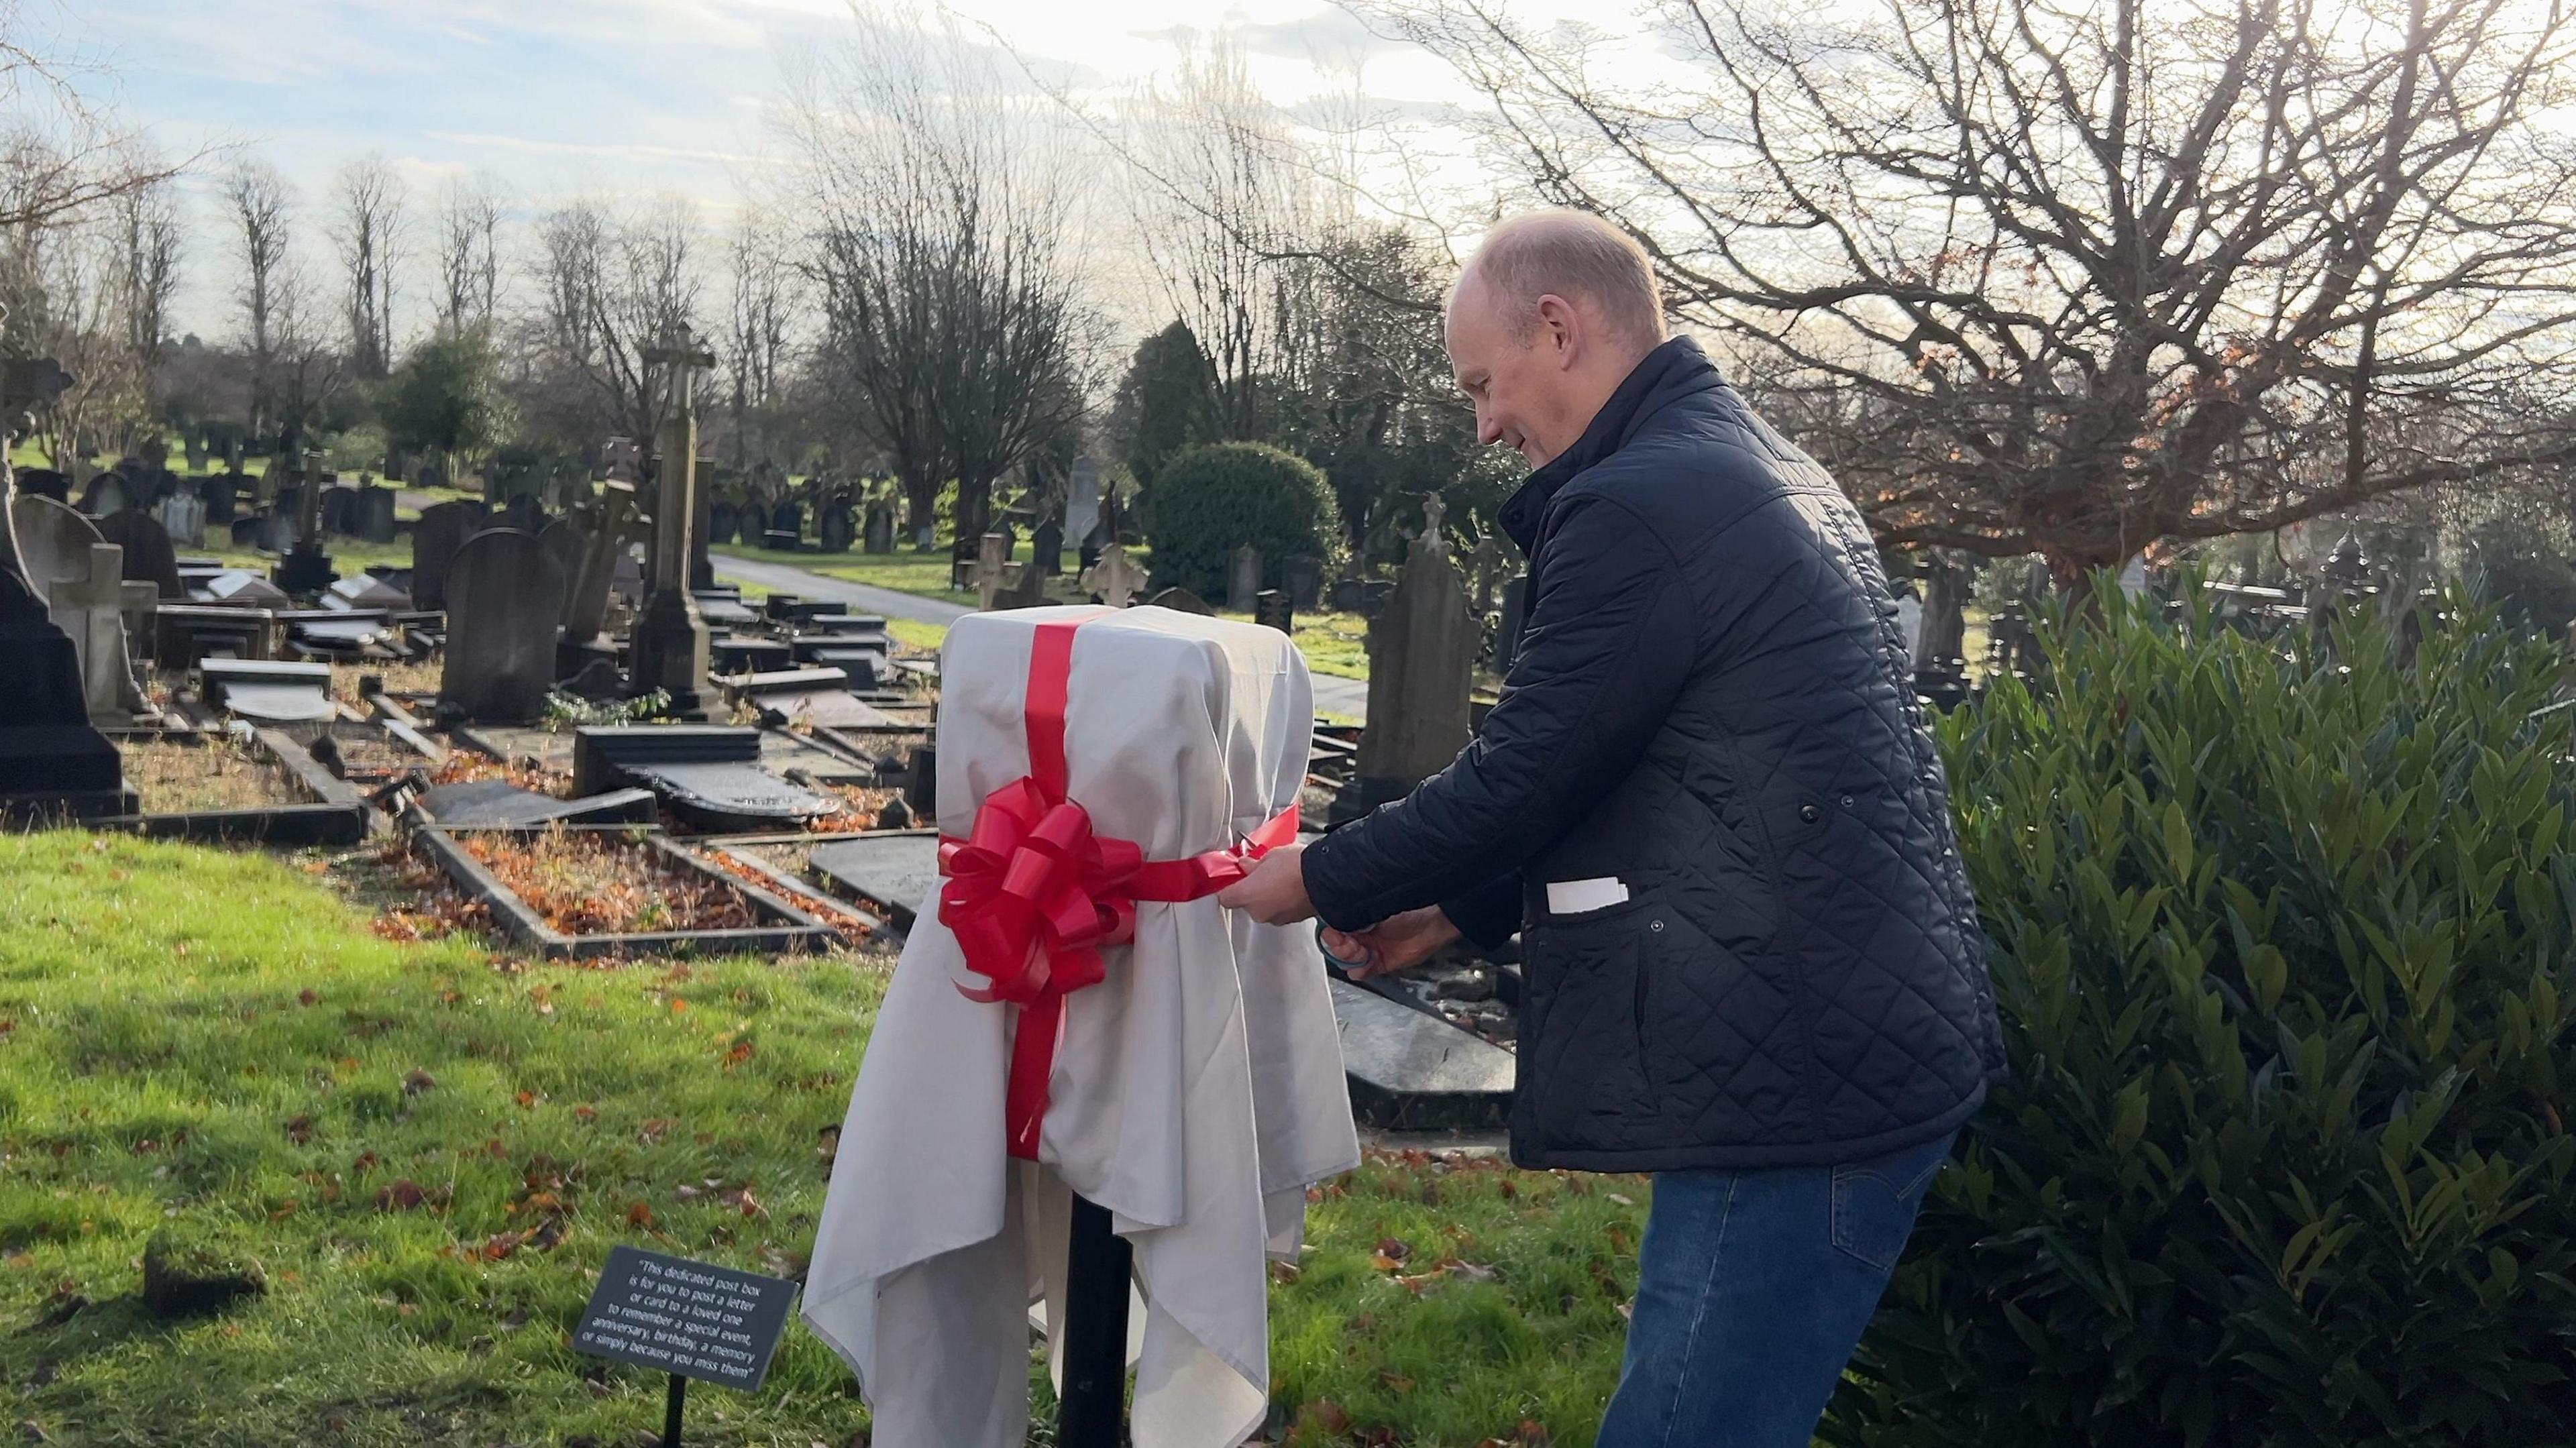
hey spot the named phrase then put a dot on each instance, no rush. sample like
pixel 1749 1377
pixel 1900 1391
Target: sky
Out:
pixel 564 97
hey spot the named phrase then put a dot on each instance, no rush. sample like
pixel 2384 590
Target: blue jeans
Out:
pixel 1752 1290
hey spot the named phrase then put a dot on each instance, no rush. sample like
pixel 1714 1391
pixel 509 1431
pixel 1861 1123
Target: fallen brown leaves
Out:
pixel 583 882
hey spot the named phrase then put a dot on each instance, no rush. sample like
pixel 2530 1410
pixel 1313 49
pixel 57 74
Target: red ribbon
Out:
pixel 1034 896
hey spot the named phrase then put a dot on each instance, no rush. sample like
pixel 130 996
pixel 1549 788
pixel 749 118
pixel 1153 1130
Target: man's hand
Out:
pixel 1275 892
pixel 1399 942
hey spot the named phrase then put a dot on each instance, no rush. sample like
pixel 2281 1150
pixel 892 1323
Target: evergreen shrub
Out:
pixel 2281 937
pixel 1209 501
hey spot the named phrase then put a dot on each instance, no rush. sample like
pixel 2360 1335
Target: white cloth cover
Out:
pixel 1197 1092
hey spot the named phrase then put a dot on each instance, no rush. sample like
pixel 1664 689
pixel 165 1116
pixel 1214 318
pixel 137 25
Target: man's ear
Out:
pixel 1564 332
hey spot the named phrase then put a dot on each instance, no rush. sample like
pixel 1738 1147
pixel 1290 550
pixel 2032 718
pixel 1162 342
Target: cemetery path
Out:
pixel 1347 698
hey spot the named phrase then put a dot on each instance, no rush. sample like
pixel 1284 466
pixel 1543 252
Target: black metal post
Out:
pixel 671 1411
pixel 1093 1410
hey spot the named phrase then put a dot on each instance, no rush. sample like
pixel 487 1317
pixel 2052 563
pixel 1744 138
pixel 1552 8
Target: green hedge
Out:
pixel 2282 942
pixel 1211 500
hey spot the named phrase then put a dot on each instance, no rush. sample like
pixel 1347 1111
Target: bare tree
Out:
pixel 65 297
pixel 1222 196
pixel 60 155
pixel 941 253
pixel 368 229
pixel 611 286
pixel 762 302
pixel 469 251
pixel 147 229
pixel 2075 281
pixel 259 201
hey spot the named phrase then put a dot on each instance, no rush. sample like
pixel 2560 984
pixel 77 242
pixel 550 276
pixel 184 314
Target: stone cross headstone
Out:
pixel 1242 578
pixel 505 595
pixel 1422 650
pixel 586 601
pixel 670 638
pixel 1113 580
pixel 879 532
pixel 1305 583
pixel 183 518
pixel 990 573
pixel 440 531
pixel 90 606
pixel 1272 609
pixel 1046 548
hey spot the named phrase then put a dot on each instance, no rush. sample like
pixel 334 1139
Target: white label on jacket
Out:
pixel 1575 897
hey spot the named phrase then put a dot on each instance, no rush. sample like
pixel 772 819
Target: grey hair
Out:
pixel 1570 254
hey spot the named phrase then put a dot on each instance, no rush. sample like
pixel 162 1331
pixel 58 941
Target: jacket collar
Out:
pixel 1671 370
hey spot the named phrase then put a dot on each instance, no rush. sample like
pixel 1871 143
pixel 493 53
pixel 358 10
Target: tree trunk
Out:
pixel 1947 580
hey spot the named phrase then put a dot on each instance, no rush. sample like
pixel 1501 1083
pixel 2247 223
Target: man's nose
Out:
pixel 1488 431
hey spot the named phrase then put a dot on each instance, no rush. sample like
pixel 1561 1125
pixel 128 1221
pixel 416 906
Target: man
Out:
pixel 1708 802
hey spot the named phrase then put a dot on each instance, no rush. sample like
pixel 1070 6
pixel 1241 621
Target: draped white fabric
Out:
pixel 1197 1091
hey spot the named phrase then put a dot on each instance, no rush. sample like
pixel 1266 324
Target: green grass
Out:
pixel 904 571
pixel 218 1041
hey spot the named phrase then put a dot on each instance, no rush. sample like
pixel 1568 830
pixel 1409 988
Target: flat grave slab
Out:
pixel 894 873
pixel 812 696
pixel 725 613
pixel 269 691
pixel 710 775
pixel 735 655
pixel 485 803
pixel 1410 1071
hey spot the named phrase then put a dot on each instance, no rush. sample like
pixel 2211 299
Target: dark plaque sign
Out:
pixel 694 1319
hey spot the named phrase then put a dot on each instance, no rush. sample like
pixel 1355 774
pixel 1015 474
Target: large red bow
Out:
pixel 1033 895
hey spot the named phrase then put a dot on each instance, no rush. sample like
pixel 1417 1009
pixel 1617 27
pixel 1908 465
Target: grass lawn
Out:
pixel 904 571
pixel 430 1147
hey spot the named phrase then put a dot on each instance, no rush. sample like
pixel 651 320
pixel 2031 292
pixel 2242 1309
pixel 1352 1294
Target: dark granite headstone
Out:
pixel 505 596
pixel 709 775
pixel 371 514
pixel 494 802
pixel 788 518
pixel 1422 649
pixel 1046 548
pixel 441 530
pixel 149 558
pixel 1349 595
pixel 833 531
pixel 878 534
pixel 1270 609
pixel 338 507
pixel 1305 583
pixel 51 760
pixel 1183 601
pixel 921 783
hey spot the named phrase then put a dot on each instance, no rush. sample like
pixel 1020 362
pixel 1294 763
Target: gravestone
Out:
pixel 818 696
pixel 789 519
pixel 105 495
pixel 241 588
pixel 1305 583
pixel 1422 649
pixel 709 775
pixel 1113 579
pixel 1242 578
pixel 1349 596
pixel 44 483
pixel 51 758
pixel 505 597
pixel 1271 609
pixel 268 691
pixel 1026 588
pixel 832 530
pixel 371 514
pixel 1046 548
pixel 878 535
pixel 149 558
pixel 723 523
pixel 895 873
pixel 364 591
pixel 586 601
pixel 440 531
pixel 567 543
pixel 491 803
pixel 924 538
pixel 1412 1071
pixel 61 555
pixel 921 782
pixel 337 506
pixel 1181 600
pixel 1909 626
pixel 990 573
pixel 222 495
pixel 196 453
pixel 182 516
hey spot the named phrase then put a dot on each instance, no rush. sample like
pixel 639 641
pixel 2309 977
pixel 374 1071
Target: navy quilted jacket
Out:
pixel 1711 705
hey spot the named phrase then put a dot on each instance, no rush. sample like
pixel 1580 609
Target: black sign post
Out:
pixel 688 1319
pixel 1097 1266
